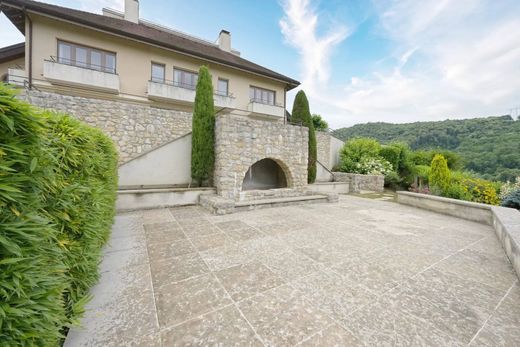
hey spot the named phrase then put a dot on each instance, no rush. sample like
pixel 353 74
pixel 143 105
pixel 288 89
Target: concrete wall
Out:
pixel 133 62
pixel 241 141
pixel 328 149
pixel 330 187
pixel 128 200
pixel 135 128
pixel 168 165
pixel 360 182
pixel 463 209
pixel 322 174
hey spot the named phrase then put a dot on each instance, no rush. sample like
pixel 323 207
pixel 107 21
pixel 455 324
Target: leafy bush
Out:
pixel 512 200
pixel 465 186
pixel 392 180
pixel 58 181
pixel 422 173
pixel 302 114
pixel 439 174
pixel 400 156
pixel 355 150
pixel 203 130
pixel 458 191
pixel 372 166
pixel 509 187
pixel 422 157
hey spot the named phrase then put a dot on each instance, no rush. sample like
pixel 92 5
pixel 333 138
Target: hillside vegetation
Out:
pixel 489 146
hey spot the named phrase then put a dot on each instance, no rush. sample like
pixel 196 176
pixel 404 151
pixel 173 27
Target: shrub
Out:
pixel 400 156
pixel 422 157
pixel 509 187
pixel 58 181
pixel 512 200
pixel 203 130
pixel 458 191
pixel 392 180
pixel 372 166
pixel 355 150
pixel 422 173
pixel 465 186
pixel 301 114
pixel 439 174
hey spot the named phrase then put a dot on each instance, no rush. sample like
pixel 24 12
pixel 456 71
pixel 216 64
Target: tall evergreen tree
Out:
pixel 302 114
pixel 203 130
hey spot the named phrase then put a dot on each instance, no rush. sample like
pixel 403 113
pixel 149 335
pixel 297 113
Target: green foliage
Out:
pixel 203 130
pixel 489 146
pixel 372 166
pixel 512 200
pixel 392 180
pixel 422 157
pixel 400 156
pixel 463 186
pixel 301 114
pixel 356 149
pixel 58 181
pixel 439 174
pixel 319 123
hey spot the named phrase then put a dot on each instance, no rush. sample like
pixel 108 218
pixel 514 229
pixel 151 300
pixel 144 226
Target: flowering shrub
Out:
pixel 372 166
pixel 478 190
pixel 512 200
pixel 507 188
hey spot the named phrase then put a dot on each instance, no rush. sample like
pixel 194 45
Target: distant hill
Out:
pixel 489 146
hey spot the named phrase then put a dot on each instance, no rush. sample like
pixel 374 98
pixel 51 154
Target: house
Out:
pixel 136 81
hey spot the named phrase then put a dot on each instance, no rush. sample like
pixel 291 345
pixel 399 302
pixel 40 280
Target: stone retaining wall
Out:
pixel 135 128
pixel 360 182
pixel 242 141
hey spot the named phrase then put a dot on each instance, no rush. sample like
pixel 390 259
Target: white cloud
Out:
pixel 464 56
pixel 299 27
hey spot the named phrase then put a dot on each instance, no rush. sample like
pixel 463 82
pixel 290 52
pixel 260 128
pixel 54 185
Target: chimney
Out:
pixel 224 40
pixel 132 10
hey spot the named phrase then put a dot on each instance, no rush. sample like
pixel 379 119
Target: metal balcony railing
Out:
pixel 82 64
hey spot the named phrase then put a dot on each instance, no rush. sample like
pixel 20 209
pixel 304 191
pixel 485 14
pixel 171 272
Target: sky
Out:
pixel 363 61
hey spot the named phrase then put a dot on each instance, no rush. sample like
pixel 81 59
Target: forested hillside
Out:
pixel 489 146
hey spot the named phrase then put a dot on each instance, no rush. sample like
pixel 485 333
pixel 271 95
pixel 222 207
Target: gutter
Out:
pixel 30 47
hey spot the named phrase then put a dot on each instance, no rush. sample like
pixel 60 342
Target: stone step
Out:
pixel 278 202
pixel 147 198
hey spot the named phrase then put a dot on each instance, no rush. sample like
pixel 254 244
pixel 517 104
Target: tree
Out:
pixel 203 130
pixel 319 123
pixel 439 174
pixel 302 114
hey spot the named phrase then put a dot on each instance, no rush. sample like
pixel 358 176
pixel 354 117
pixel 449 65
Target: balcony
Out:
pixel 68 73
pixel 171 91
pixel 224 100
pixel 259 108
pixel 16 77
pixel 183 94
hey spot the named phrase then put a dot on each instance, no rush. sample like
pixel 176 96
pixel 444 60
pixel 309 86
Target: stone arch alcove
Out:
pixel 265 174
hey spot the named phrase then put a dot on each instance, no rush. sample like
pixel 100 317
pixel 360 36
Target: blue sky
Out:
pixel 364 61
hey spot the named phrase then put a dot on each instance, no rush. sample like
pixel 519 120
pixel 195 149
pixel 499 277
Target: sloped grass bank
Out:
pixel 58 182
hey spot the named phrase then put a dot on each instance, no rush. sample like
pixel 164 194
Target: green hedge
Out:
pixel 58 181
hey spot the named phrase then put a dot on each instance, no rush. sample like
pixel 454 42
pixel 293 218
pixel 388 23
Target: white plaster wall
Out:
pixel 335 147
pixel 322 174
pixel 169 164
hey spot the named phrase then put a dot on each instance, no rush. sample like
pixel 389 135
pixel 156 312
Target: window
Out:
pixel 185 79
pixel 264 96
pixel 87 57
pixel 223 87
pixel 158 71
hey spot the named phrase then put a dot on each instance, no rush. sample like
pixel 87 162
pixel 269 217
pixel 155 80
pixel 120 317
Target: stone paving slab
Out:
pixel 357 273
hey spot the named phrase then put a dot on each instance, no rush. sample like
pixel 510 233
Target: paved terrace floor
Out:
pixel 359 272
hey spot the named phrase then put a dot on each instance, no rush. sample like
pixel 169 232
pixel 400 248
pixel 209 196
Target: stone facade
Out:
pixel 135 128
pixel 242 141
pixel 359 182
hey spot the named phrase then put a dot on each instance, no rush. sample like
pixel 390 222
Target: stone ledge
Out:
pixel 360 182
pixel 139 199
pixel 505 221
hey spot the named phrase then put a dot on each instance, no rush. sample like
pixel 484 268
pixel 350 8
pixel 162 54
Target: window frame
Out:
pixel 261 100
pixel 181 84
pixel 218 92
pixel 88 63
pixel 164 72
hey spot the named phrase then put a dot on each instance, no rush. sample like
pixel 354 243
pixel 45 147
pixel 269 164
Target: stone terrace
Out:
pixel 360 272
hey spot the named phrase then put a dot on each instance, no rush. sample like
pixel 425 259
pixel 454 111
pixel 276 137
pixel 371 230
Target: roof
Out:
pixel 12 52
pixel 14 9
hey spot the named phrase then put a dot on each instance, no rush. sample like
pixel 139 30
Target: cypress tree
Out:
pixel 302 114
pixel 439 174
pixel 203 130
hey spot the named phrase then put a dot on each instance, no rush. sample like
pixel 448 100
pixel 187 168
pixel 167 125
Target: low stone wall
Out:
pixel 135 128
pixel 139 199
pixel 505 221
pixel 242 141
pixel 359 182
pixel 462 209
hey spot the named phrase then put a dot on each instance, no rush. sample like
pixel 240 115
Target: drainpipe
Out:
pixel 284 105
pixel 30 47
